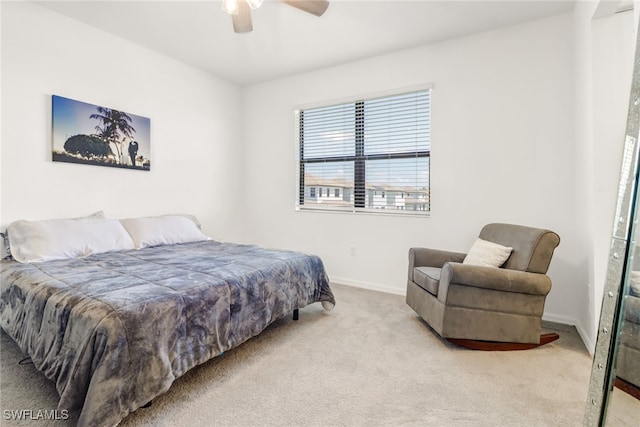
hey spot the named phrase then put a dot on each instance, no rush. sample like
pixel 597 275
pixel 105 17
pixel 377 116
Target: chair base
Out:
pixel 627 387
pixel 502 346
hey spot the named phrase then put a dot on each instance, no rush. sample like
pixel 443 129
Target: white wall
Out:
pixel 502 150
pixel 613 46
pixel 603 60
pixel 584 161
pixel 196 150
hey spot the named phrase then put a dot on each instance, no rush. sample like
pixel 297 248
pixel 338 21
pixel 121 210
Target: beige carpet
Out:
pixel 369 362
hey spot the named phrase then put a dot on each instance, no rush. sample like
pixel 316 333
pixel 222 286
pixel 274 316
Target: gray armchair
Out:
pixel 628 356
pixel 482 307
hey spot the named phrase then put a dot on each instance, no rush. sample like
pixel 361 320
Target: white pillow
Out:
pixel 487 254
pixel 95 215
pixel 5 247
pixel 162 230
pixel 37 241
pixel 191 217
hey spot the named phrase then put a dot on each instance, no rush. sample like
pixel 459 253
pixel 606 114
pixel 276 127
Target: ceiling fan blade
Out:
pixel 315 7
pixel 242 19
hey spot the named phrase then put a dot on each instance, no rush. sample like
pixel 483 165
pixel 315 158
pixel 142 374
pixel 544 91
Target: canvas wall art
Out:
pixel 94 135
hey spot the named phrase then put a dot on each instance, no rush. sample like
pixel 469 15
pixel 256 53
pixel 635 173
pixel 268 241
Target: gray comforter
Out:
pixel 115 330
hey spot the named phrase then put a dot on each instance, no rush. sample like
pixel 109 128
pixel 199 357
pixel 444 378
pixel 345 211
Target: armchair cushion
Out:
pixel 428 278
pixel 634 282
pixel 426 257
pixel 488 254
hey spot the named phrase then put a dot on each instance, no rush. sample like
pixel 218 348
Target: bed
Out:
pixel 115 329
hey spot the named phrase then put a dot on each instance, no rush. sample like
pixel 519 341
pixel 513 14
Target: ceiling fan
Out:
pixel 240 10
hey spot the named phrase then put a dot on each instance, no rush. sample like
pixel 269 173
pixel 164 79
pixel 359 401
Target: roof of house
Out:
pixel 311 180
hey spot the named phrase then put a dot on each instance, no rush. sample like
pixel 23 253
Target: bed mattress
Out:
pixel 114 330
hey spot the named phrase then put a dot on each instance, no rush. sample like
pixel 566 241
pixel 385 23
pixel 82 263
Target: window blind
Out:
pixel 366 155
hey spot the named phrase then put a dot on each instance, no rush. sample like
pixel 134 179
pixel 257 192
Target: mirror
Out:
pixel 614 389
pixel 623 404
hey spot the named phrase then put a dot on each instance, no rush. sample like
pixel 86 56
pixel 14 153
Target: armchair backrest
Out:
pixel 532 247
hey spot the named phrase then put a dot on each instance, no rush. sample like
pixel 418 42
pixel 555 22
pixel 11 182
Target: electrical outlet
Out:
pixel 353 251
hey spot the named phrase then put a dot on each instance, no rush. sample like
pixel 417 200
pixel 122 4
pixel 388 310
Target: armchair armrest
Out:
pixel 425 257
pixel 492 278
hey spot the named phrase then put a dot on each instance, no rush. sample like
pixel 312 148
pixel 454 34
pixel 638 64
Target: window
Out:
pixel 364 149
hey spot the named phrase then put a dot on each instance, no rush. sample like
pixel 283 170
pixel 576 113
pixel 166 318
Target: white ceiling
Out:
pixel 287 41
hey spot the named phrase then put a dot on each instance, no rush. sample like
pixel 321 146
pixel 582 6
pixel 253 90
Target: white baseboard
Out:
pixel 368 285
pixel 586 339
pixel 558 318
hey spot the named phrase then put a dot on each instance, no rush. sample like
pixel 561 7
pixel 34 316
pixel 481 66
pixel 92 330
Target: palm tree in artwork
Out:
pixel 114 123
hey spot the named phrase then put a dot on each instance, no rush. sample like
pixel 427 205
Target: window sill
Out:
pixel 364 211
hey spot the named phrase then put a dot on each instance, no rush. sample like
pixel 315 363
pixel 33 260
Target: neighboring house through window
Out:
pixel 372 154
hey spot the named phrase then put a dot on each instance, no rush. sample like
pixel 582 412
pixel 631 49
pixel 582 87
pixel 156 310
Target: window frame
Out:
pixel 360 158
